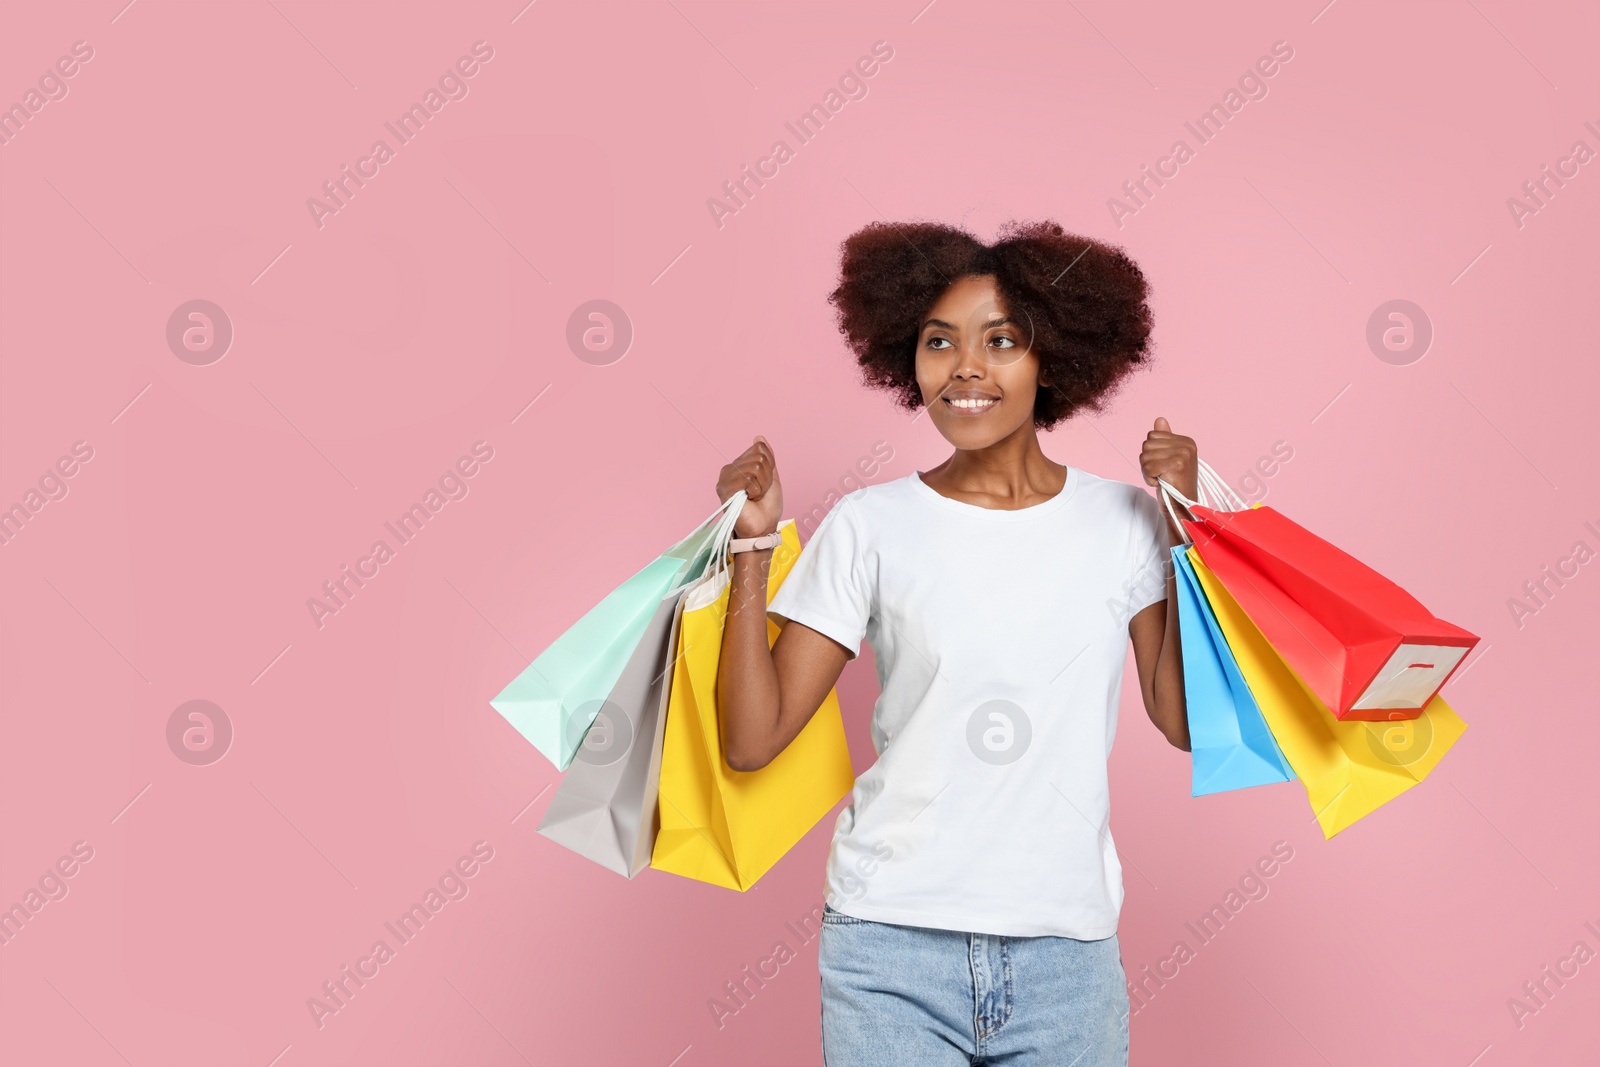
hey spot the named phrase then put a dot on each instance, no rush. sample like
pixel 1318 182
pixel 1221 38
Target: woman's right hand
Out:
pixel 756 472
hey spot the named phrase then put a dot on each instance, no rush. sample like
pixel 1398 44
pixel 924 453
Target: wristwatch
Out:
pixel 752 544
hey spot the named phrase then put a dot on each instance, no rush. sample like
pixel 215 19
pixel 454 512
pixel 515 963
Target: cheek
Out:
pixel 1019 379
pixel 931 375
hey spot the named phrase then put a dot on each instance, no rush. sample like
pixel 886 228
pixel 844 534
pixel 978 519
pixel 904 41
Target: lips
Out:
pixel 971 405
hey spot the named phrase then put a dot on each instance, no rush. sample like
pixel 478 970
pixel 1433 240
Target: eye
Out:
pixel 934 342
pixel 1003 342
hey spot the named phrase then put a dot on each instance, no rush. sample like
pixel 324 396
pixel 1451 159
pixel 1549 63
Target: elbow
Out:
pixel 1169 711
pixel 1173 724
pixel 749 740
pixel 743 753
pixel 1177 734
pixel 746 761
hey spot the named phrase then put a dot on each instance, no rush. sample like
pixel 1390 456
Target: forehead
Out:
pixel 969 300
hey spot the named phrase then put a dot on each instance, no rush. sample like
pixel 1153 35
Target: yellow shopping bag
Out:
pixel 720 825
pixel 1350 768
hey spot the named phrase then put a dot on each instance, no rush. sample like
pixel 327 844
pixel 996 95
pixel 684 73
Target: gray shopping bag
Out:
pixel 605 807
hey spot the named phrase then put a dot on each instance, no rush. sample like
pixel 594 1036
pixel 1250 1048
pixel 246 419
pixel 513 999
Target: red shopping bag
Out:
pixel 1367 648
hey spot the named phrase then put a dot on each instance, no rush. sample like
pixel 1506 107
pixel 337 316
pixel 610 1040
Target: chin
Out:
pixel 971 438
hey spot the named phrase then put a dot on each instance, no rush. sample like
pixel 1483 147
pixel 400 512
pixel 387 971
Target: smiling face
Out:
pixel 976 368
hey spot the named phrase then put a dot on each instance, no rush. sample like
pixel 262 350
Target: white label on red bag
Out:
pixel 1411 677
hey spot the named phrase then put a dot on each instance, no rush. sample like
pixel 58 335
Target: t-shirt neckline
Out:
pixel 1044 507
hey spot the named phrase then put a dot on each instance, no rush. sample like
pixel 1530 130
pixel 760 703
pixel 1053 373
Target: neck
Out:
pixel 1013 472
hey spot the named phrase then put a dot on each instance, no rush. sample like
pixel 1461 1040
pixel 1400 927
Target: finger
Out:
pixel 746 466
pixel 769 456
pixel 731 481
pixel 1161 424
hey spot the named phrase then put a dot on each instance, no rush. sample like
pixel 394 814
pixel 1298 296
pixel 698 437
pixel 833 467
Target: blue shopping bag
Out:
pixel 1229 742
pixel 556 698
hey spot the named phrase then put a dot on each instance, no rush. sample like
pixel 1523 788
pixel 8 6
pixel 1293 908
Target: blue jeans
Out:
pixel 894 995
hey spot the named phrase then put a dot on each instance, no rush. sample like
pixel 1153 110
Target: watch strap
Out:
pixel 752 544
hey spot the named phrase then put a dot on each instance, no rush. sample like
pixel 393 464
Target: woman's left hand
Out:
pixel 1171 456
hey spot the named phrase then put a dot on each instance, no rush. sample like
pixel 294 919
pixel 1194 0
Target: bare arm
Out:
pixel 1158 657
pixel 1157 650
pixel 765 696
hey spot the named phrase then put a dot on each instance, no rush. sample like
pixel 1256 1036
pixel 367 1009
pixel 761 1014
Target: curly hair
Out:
pixel 1085 301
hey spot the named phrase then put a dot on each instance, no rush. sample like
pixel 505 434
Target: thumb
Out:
pixel 1161 424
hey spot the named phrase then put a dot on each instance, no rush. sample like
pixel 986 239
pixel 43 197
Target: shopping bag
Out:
pixel 555 698
pixel 605 807
pixel 1349 767
pixel 720 825
pixel 1230 745
pixel 1366 647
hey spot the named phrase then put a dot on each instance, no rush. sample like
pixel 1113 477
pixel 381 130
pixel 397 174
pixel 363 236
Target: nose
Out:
pixel 972 363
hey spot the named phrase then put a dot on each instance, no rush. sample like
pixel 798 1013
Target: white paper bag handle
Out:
pixel 1217 494
pixel 1168 493
pixel 715 517
pixel 730 517
pixel 1219 490
pixel 720 522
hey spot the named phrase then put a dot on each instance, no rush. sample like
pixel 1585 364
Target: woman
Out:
pixel 972 889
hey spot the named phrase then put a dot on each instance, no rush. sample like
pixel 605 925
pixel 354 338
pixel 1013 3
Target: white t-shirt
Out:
pixel 1000 638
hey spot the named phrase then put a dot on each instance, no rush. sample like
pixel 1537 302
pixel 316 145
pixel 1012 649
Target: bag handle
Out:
pixel 1168 493
pixel 725 524
pixel 720 523
pixel 1216 493
pixel 715 517
pixel 1220 490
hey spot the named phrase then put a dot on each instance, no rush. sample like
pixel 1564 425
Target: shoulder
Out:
pixel 1111 490
pixel 893 493
pixel 864 510
pixel 876 499
pixel 1115 499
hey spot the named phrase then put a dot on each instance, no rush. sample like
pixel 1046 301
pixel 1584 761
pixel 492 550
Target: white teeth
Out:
pixel 973 403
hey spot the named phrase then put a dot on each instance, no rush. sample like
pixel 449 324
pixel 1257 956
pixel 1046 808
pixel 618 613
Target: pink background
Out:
pixel 426 314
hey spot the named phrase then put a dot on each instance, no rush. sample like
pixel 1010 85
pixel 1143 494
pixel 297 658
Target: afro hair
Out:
pixel 1085 301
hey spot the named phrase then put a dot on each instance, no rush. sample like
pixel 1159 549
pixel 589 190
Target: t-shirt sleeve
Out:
pixel 1151 558
pixel 826 589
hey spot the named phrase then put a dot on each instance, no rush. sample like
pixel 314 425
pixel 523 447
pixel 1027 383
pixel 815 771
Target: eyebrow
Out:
pixel 988 325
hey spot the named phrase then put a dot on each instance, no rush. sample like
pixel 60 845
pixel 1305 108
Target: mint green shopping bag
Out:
pixel 555 699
